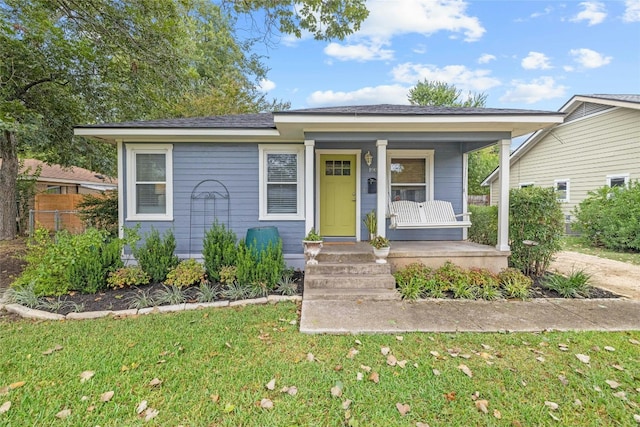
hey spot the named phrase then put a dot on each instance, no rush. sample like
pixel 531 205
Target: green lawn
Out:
pixel 576 244
pixel 215 364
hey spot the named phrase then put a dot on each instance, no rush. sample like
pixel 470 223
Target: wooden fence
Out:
pixel 56 212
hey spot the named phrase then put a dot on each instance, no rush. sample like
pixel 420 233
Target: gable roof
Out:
pixel 71 175
pixel 291 125
pixel 612 100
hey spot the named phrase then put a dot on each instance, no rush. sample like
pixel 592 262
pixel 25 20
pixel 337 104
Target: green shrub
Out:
pixel 576 285
pixel 287 285
pixel 100 211
pixel 484 225
pixel 535 215
pixel 515 284
pixel 412 281
pixel 219 250
pixel 449 275
pixel 260 269
pixel 188 272
pixel 228 274
pixel 126 277
pixel 78 262
pixel 485 284
pixel 156 255
pixel 610 217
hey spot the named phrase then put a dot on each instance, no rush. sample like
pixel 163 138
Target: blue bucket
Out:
pixel 260 237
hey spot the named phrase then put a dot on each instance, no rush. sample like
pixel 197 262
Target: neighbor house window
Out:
pixel 621 180
pixel 525 184
pixel 150 182
pixel 410 175
pixel 281 182
pixel 562 190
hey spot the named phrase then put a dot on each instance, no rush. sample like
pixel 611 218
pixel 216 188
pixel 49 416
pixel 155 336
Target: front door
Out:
pixel 338 195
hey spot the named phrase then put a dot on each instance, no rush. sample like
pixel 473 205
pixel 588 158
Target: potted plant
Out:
pixel 371 222
pixel 312 246
pixel 380 249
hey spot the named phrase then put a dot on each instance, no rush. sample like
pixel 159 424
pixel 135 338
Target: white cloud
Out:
pixel 594 13
pixel 458 75
pixel 384 94
pixel 536 61
pixel 358 52
pixel 547 11
pixel 568 68
pixel 266 85
pixel 589 58
pixel 536 90
pixel 486 58
pixel 425 17
pixel 632 11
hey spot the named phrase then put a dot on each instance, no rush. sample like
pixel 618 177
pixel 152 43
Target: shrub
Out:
pixel 100 211
pixel 169 295
pixel 228 274
pixel 78 262
pixel 219 250
pixel 287 285
pixel 126 277
pixel 207 292
pixel 610 217
pixel 156 255
pixel 485 284
pixel 484 225
pixel 188 272
pixel 576 285
pixel 414 281
pixel 261 269
pixel 534 214
pixel 514 283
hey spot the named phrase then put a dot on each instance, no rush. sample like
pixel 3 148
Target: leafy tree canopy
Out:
pixel 441 94
pixel 66 62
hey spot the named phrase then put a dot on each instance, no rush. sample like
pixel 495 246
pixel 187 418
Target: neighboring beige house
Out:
pixel 598 144
pixel 54 179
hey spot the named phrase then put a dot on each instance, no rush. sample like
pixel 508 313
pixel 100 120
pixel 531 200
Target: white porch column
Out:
pixel 381 206
pixel 503 205
pixel 309 198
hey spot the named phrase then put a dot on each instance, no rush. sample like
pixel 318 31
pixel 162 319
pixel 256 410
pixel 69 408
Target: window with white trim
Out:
pixel 562 190
pixel 621 180
pixel 281 182
pixel 149 182
pixel 410 175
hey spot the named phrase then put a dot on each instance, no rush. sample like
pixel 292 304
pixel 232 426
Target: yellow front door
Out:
pixel 338 195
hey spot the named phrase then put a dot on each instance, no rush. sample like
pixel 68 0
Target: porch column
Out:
pixel 381 206
pixel 503 206
pixel 309 198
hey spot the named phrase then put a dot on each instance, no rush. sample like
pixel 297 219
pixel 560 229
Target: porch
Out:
pixel 347 270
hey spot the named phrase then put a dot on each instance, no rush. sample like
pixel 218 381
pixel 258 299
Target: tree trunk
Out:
pixel 8 184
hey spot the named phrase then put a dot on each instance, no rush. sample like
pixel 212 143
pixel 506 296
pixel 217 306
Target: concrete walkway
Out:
pixel 353 317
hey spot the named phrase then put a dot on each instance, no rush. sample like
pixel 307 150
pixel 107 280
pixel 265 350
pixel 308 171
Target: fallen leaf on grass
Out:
pixel 583 358
pixel 142 406
pixel 485 346
pixel 434 353
pixel 402 363
pixel 16 385
pixel 310 357
pixel 541 359
pixel 5 407
pixel 150 414
pixel 266 404
pixel 637 418
pixel 106 396
pixel 365 368
pixel 91 408
pixel 359 376
pixel 155 382
pixel 291 391
pixel 215 398
pixel 52 350
pixel 419 424
pixel 358 342
pixel 620 395
pixel 482 405
pixel 465 369
pixel 613 384
pixel 403 408
pixel 352 353
pixel 634 342
pixel 4 390
pixel 374 377
pixel 399 337
pixel 563 380
pixel 618 367
pixel 271 385
pixel 436 372
pixel 554 417
pixel 385 351
pixel 391 360
pixel 497 414
pixel 86 375
pixel 336 390
pixel 609 348
pixel 63 414
pixel 451 396
pixel 551 405
pixel 346 404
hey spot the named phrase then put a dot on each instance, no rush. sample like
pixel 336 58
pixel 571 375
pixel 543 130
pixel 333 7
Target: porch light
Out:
pixel 368 158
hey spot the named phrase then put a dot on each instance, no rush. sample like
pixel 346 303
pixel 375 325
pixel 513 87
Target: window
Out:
pixel 562 190
pixel 621 180
pixel 282 183
pixel 149 182
pixel 410 175
pixel 525 184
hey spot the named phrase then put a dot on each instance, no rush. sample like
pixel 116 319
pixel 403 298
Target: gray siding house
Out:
pixel 598 144
pixel 294 170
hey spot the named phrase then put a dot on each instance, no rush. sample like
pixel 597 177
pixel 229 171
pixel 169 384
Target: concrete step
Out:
pixel 364 281
pixel 351 294
pixel 356 269
pixel 345 257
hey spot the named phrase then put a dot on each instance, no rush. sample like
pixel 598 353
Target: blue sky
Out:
pixel 523 54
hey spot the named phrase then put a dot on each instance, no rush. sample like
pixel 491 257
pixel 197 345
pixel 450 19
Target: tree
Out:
pixel 65 62
pixel 481 164
pixel 441 94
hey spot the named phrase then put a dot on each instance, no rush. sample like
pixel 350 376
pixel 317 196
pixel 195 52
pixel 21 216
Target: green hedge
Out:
pixel 484 225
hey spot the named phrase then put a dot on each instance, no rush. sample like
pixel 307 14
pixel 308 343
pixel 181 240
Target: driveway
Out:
pixel 615 276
